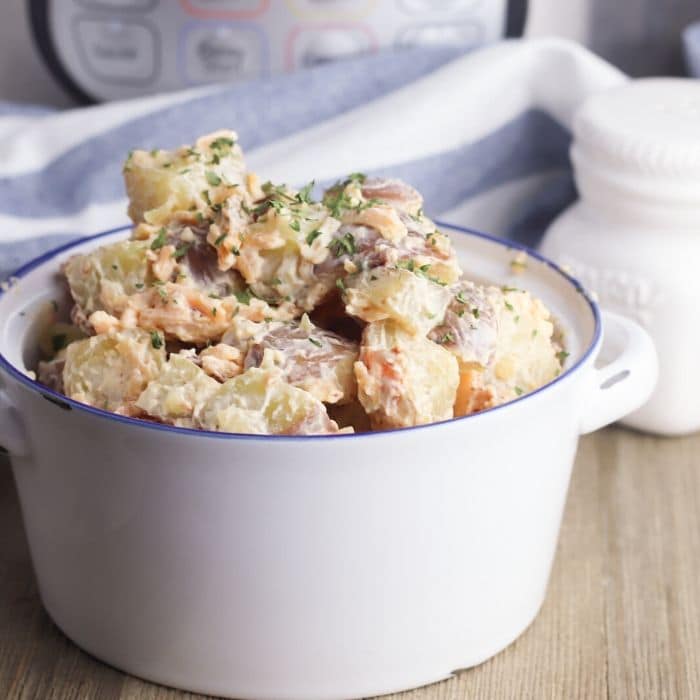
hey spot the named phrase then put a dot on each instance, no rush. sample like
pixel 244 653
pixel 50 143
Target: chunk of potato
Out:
pixel 177 394
pixel 103 279
pixel 111 370
pixel 309 357
pixel 161 183
pixel 413 301
pixel 404 379
pixel 259 401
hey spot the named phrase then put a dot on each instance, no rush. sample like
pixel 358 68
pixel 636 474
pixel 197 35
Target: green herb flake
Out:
pixel 315 342
pixel 562 355
pixel 475 312
pixel 160 240
pixel 295 225
pixel 244 297
pixel 304 195
pixel 156 340
pixel 340 284
pixel 181 251
pixel 200 217
pixel 345 245
pixel 222 143
pixel 509 306
pixel 357 177
pixel 220 240
pixel 519 391
pixel 311 237
pixel 212 178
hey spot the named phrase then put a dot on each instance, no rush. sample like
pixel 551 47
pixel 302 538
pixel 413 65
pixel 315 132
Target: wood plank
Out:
pixel 621 618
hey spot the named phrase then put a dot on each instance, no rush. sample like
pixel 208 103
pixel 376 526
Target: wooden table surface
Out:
pixel 621 619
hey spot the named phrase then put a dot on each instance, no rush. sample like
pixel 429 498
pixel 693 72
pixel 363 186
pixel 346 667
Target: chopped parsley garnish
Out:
pixel 461 298
pixel 345 245
pixel 357 177
pixel 221 143
pixel 276 281
pixel 200 217
pixel 59 341
pixel 475 312
pixel 562 355
pixel 212 178
pixel 245 296
pixel 447 338
pixel 337 201
pixel 181 251
pixel 156 340
pixel 311 237
pixel 295 225
pixel 340 284
pixel 519 391
pixel 220 239
pixel 509 306
pixel 160 240
pixel 213 310
pixel 315 342
pixel 139 285
pixel 304 195
pixel 205 197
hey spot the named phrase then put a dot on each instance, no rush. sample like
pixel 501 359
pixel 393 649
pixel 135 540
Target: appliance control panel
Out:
pixel 112 49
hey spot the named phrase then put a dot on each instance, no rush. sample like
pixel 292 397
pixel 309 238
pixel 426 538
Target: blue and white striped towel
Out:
pixel 484 137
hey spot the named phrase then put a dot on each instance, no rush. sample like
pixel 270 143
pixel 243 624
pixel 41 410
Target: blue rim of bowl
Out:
pixel 61 400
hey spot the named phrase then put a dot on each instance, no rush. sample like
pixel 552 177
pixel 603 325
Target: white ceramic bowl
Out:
pixel 305 567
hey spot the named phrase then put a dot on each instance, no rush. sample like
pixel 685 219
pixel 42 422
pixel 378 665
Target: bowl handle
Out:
pixel 625 384
pixel 13 436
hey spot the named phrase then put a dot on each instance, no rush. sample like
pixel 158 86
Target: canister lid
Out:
pixel 645 127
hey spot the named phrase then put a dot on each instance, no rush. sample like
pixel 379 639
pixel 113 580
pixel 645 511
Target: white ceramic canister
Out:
pixel 634 236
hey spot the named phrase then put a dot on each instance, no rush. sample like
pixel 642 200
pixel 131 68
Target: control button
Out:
pixel 436 5
pixel 225 9
pixel 312 47
pixel 466 35
pixel 118 51
pixel 119 4
pixel 331 9
pixel 220 54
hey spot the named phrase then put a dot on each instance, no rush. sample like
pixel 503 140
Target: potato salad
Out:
pixel 245 306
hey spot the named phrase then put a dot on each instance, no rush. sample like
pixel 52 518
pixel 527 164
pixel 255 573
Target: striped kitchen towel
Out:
pixel 484 137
